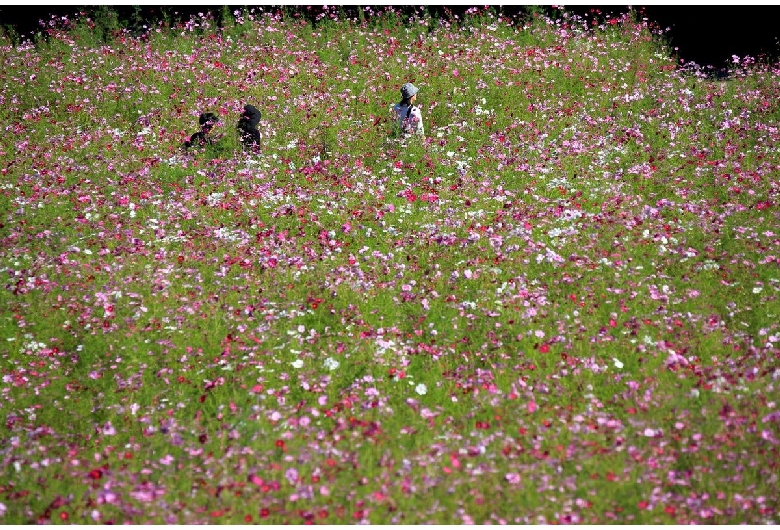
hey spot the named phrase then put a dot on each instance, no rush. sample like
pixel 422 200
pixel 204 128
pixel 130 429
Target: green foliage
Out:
pixel 558 305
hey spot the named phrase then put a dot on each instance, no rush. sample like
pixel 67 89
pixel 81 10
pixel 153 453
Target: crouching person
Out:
pixel 247 128
pixel 202 138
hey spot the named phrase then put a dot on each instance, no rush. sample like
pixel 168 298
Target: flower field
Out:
pixel 560 305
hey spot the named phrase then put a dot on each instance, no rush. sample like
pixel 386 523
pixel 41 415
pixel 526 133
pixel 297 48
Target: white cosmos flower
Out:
pixel 617 363
pixel 297 363
pixel 331 363
pixel 421 389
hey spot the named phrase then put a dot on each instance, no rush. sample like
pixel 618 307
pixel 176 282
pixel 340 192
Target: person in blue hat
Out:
pixel 407 115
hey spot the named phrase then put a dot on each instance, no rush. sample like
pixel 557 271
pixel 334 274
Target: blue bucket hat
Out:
pixel 408 90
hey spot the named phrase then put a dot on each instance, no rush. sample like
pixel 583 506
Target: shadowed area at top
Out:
pixel 706 35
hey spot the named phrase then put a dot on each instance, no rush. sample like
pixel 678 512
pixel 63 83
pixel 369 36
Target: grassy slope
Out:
pixel 560 305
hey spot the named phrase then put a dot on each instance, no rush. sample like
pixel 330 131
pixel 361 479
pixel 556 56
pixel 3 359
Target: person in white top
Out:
pixel 408 117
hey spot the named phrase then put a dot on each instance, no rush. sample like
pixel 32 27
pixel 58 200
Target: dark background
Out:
pixel 706 35
pixel 710 35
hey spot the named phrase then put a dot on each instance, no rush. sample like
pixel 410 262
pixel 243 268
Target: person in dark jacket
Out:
pixel 207 121
pixel 247 127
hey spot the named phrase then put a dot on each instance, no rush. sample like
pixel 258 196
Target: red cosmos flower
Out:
pixel 264 512
pixel 95 474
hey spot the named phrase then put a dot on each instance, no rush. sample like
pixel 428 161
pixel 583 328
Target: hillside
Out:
pixel 558 305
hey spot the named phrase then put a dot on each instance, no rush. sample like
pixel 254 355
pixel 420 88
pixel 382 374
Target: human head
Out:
pixel 408 91
pixel 207 120
pixel 251 116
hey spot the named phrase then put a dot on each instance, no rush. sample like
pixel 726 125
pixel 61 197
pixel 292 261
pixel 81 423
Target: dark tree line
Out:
pixel 707 35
